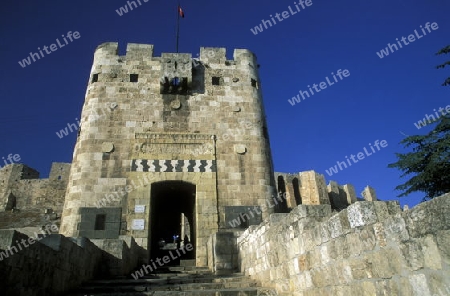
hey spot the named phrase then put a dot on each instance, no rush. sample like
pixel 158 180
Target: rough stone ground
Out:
pixel 180 281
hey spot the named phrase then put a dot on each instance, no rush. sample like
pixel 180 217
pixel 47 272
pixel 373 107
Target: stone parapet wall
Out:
pixel 122 255
pixel 222 252
pixel 370 248
pixel 21 188
pixel 47 267
pixel 43 193
pixel 56 264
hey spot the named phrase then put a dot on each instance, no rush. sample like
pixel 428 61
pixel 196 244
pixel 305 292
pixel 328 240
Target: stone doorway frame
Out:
pixel 206 208
pixel 184 204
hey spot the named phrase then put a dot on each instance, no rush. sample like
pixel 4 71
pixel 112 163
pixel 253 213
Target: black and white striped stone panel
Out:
pixel 173 166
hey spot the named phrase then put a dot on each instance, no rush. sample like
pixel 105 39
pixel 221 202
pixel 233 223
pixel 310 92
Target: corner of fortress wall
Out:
pixel 370 248
pixel 22 188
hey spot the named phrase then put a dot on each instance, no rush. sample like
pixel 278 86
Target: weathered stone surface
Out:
pixel 419 285
pixel 369 194
pixel 21 188
pixel 314 189
pixel 443 241
pixel 49 270
pixel 361 214
pixel 333 195
pixel 339 224
pixel 223 253
pixel 395 228
pixel 363 250
pixel 429 217
pixel 348 194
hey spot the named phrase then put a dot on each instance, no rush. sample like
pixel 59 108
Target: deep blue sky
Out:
pixel 380 100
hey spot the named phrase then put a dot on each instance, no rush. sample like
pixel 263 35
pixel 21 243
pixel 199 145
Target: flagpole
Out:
pixel 178 25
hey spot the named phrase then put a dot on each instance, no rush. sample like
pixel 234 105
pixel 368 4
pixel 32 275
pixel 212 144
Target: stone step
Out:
pixel 181 283
pixel 171 278
pixel 187 262
pixel 168 287
pixel 175 283
pixel 213 292
pixel 188 268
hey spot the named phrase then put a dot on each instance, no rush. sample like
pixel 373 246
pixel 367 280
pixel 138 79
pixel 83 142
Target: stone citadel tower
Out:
pixel 168 145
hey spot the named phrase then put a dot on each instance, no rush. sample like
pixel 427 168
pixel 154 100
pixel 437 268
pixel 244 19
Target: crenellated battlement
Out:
pixel 176 73
pixel 208 55
pixel 310 188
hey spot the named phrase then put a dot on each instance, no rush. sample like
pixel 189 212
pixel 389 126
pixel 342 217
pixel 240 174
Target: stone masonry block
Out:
pixel 393 207
pixel 349 193
pixel 361 213
pixel 306 242
pixel 276 218
pixel 367 238
pixel 324 232
pixel 429 217
pixel 333 194
pixel 419 285
pixel 412 254
pixel 381 210
pixel 318 212
pixel 313 189
pixel 395 229
pixel 369 194
pixel 380 234
pixel 339 224
pixel 432 257
pixel 443 242
pixel 135 50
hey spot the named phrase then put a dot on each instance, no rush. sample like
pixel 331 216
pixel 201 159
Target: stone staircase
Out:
pixel 176 281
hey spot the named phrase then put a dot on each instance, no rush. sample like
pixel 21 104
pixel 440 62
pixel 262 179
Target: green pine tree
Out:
pixel 429 160
pixel 444 50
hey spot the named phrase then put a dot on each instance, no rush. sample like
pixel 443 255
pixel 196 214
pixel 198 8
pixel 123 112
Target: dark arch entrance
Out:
pixel 172 213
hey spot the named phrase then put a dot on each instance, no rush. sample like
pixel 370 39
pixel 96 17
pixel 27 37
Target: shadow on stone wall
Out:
pixel 56 263
pixel 21 188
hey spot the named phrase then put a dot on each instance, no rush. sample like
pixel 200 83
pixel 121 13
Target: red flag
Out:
pixel 180 11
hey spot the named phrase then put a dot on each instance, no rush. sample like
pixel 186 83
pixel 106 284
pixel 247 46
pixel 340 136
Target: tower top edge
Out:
pixel 147 50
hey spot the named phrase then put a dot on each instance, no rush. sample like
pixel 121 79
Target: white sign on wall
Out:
pixel 138 224
pixel 139 209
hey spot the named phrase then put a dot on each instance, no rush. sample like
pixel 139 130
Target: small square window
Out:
pixel 100 220
pixel 254 84
pixel 134 77
pixel 216 81
pixel 94 78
